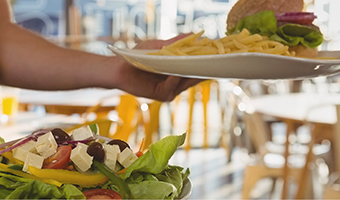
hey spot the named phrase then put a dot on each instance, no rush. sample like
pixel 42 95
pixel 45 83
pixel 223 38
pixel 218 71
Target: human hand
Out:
pixel 150 85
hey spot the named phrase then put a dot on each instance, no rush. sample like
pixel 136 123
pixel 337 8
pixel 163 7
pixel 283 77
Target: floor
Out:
pixel 211 174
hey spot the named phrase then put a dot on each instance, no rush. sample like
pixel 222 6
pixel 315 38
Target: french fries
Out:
pixel 238 43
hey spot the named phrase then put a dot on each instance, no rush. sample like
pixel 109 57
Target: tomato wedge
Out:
pixel 102 194
pixel 59 160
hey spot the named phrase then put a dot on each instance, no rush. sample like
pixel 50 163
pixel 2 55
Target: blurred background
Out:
pixel 123 23
pixel 221 149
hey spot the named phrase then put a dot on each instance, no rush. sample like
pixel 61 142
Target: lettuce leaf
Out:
pixel 265 23
pixel 156 159
pixel 153 190
pixel 14 187
pixel 294 34
pixel 2 140
pixel 150 177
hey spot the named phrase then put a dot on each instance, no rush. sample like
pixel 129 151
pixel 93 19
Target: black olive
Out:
pixel 121 143
pixel 60 136
pixel 97 151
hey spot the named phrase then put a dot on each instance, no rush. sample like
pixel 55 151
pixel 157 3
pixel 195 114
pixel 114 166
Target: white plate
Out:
pixel 186 190
pixel 233 66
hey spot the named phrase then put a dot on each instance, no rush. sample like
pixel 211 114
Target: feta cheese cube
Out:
pixel 81 158
pixel 111 154
pixel 33 160
pixel 46 145
pixel 83 146
pixel 126 157
pixel 20 152
pixel 82 133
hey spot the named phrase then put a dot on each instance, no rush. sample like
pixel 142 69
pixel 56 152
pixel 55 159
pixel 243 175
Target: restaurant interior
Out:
pixel 245 139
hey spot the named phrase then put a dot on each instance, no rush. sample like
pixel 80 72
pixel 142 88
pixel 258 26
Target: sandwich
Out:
pixel 280 20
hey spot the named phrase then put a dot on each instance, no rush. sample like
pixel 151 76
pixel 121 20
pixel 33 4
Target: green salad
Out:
pixel 29 170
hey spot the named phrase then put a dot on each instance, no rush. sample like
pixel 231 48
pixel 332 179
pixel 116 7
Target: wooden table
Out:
pixel 27 122
pixel 299 108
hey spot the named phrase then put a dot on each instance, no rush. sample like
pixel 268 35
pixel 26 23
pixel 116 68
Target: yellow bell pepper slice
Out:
pixel 9 156
pixel 4 167
pixel 72 177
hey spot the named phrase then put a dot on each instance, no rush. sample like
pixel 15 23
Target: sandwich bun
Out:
pixel 244 8
pixel 305 52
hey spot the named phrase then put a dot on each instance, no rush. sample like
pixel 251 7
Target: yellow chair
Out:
pixel 151 126
pixel 131 117
pixel 104 125
pixel 204 89
pixel 130 114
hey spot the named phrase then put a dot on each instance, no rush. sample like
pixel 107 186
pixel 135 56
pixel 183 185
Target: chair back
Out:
pixel 336 142
pixel 104 125
pixel 204 90
pixel 254 123
pixel 129 112
pixel 257 130
pixel 151 126
pixel 129 116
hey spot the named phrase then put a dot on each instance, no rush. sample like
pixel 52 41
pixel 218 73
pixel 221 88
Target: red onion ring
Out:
pixel 34 136
pixel 295 16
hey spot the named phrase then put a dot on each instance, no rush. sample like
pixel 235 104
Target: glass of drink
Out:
pixel 10 104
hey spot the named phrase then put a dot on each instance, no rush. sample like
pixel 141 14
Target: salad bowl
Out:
pixel 186 190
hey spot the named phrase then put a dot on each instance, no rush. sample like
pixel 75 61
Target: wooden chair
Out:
pixel 260 166
pixel 232 135
pixel 331 192
pixel 332 189
pixel 322 131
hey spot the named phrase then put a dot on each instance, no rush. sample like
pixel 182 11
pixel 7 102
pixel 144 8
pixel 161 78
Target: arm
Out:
pixel 29 61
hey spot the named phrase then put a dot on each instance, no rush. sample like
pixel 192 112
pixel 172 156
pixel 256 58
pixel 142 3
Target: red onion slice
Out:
pixel 299 17
pixel 22 142
pixel 34 136
pixel 100 137
pixel 74 142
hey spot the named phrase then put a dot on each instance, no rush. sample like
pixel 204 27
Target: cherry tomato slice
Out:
pixel 139 154
pixel 102 194
pixel 59 160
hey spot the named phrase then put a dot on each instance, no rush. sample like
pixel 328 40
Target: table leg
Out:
pixel 290 129
pixel 303 184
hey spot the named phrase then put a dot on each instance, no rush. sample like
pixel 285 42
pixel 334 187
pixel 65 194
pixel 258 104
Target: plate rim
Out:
pixel 188 182
pixel 131 52
pixel 288 67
